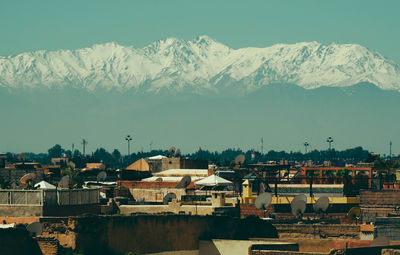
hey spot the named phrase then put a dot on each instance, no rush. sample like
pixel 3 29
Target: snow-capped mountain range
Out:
pixel 201 63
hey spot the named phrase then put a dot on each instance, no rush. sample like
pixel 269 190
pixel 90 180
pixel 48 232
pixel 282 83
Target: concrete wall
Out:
pixel 378 204
pixel 154 234
pixel 21 210
pixel 172 207
pixel 156 195
pixel 388 227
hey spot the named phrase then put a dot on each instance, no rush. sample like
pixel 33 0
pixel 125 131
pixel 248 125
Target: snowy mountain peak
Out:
pixel 200 63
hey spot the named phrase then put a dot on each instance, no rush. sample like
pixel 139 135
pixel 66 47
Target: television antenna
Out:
pixel 390 149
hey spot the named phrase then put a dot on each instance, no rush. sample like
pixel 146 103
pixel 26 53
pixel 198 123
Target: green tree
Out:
pixel 56 151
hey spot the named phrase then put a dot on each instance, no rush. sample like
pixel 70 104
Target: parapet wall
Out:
pixel 152 234
pixel 340 231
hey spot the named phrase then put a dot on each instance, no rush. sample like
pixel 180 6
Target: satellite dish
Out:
pixel 159 179
pixel 35 229
pixel 263 201
pixel 298 207
pixel 239 160
pixel 26 178
pixel 321 205
pixel 168 198
pixel 381 241
pixel 101 176
pixel 171 150
pixel 64 182
pixel 300 197
pixel 177 153
pixel 185 181
pixel 354 214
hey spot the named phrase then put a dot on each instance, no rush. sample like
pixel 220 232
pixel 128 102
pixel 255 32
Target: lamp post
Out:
pixel 129 138
pixel 306 144
pixel 329 140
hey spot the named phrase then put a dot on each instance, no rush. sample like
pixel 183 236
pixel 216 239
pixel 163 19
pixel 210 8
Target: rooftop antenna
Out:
pixel 129 138
pixel 73 147
pixel 151 145
pixel 84 143
pixel 390 149
pixel 306 144
pixel 329 140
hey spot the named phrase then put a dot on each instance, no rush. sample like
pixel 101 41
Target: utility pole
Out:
pixel 84 143
pixel 390 150
pixel 129 138
pixel 306 144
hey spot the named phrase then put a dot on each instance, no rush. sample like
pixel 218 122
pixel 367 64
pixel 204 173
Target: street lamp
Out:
pixel 306 144
pixel 330 141
pixel 129 138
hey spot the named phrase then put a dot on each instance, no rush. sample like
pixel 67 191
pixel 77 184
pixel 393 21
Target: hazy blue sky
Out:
pixel 51 24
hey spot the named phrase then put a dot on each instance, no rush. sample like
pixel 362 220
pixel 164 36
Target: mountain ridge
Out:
pixel 201 64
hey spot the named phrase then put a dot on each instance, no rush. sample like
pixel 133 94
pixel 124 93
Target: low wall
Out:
pixel 154 234
pixel 172 207
pixel 388 227
pixel 341 231
pixel 156 195
pixel 21 210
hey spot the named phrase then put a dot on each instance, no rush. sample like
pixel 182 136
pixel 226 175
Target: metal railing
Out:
pixel 50 197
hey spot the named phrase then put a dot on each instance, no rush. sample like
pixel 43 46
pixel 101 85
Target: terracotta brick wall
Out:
pixel 19 220
pixel 250 209
pixel 48 245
